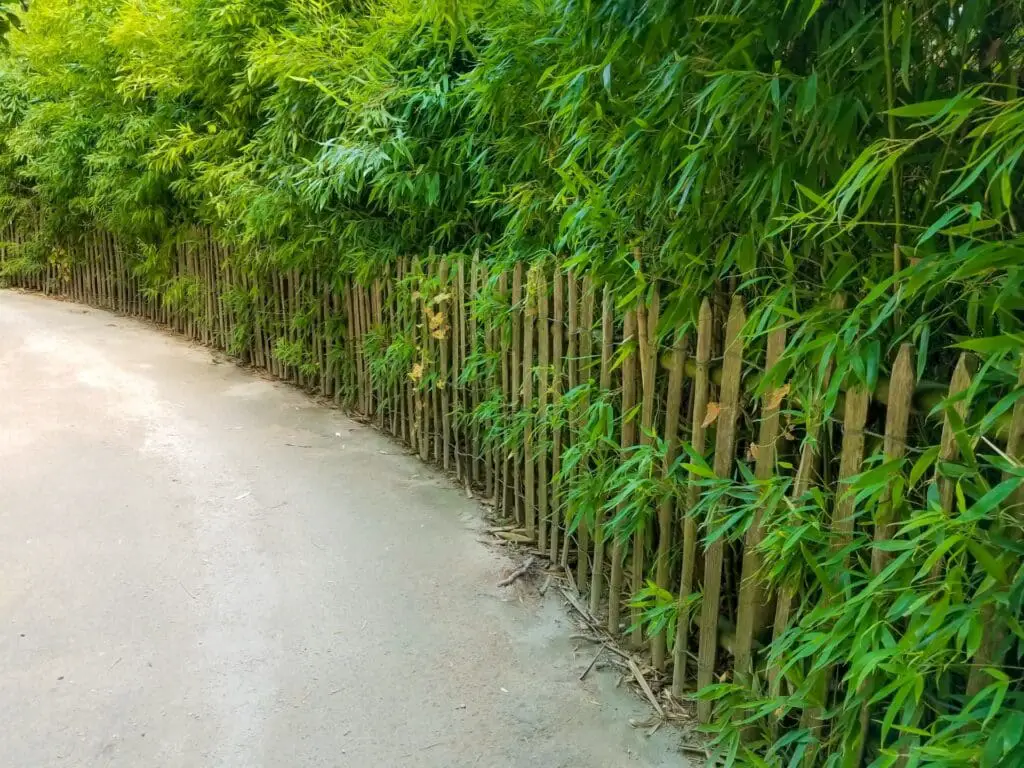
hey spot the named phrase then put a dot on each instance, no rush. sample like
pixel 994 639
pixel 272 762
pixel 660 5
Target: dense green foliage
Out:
pixel 786 150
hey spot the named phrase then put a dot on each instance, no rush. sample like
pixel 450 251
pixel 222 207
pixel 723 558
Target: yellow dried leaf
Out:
pixel 442 297
pixel 417 372
pixel 440 333
pixel 711 415
pixel 753 451
pixel 775 398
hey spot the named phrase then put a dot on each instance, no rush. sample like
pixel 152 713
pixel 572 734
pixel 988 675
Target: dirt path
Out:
pixel 199 567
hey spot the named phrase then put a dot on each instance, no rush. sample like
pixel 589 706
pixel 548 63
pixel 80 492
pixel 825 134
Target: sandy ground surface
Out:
pixel 200 567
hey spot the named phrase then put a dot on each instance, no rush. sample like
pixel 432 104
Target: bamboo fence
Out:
pixel 519 342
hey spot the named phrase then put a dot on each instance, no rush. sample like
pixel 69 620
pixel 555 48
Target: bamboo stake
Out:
pixel 607 347
pixel 463 469
pixel 544 524
pixel 443 341
pixel 897 418
pixel 502 464
pixel 989 653
pixel 481 468
pixel 517 381
pixel 851 457
pixel 584 366
pixel 573 366
pixel 750 618
pixel 529 481
pixel 725 445
pixel 556 394
pixel 948 450
pixel 666 525
pixel 701 389
pixel 647 335
pixel 628 441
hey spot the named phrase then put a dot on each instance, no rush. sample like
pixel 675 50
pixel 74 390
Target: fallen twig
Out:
pixel 518 573
pixel 544 587
pixel 593 661
pixel 520 538
pixel 642 681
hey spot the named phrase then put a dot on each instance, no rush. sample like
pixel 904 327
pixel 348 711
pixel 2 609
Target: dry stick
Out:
pixel 701 388
pixel 666 525
pixel 543 353
pixel 557 518
pixel 750 618
pixel 897 418
pixel 443 340
pixel 992 635
pixel 518 573
pixel 647 335
pixel 725 445
pixel 582 550
pixel 605 383
pixel 585 347
pixel 627 441
pixel 529 484
pixel 517 371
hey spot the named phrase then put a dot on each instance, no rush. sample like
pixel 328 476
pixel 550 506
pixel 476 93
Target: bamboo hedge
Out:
pixel 720 302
